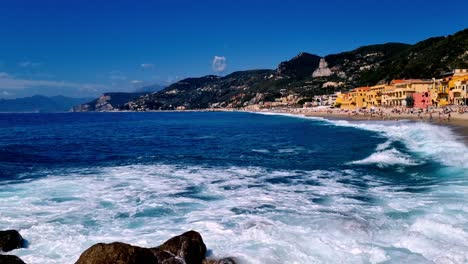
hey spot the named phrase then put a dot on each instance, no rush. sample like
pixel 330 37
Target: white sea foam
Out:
pixel 430 141
pixel 388 157
pixel 255 214
pixel 307 217
pixel 435 142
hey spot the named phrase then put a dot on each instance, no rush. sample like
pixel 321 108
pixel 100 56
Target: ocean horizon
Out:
pixel 263 188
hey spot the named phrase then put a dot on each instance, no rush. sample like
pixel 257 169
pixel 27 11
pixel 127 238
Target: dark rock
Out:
pixel 117 253
pixel 10 259
pixel 220 261
pixel 189 247
pixel 165 257
pixel 9 240
pixel 174 260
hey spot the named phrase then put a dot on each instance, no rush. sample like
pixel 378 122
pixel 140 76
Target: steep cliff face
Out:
pixel 106 102
pixel 323 70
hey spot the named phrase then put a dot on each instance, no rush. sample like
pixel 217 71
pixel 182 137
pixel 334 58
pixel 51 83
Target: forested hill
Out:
pixel 309 74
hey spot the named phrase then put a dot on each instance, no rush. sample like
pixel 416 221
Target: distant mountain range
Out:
pixel 39 103
pixel 305 75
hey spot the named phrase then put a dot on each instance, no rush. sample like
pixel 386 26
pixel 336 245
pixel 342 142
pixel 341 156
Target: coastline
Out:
pixel 458 123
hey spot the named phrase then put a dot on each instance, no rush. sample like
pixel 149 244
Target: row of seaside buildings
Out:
pixel 450 89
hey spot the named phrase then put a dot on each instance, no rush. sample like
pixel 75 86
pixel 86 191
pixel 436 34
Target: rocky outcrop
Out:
pixel 166 257
pixel 187 248
pixel 107 102
pixel 220 261
pixel 9 240
pixel 117 252
pixel 10 259
pixel 323 70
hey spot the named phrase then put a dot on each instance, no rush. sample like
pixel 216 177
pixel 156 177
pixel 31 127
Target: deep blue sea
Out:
pixel 264 188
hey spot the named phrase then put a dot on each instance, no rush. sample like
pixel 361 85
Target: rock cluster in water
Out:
pixel 187 248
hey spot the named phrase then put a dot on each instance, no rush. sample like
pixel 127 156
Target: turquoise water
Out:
pixel 263 188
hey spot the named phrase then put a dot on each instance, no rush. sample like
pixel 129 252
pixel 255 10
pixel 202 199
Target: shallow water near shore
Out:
pixel 263 188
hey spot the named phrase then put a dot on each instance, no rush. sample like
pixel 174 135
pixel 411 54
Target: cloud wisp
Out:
pixel 219 63
pixel 29 64
pixel 147 65
pixel 136 82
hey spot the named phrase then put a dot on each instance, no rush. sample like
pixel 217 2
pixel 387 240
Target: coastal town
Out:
pixel 446 96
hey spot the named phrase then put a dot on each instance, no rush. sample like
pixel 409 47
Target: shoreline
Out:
pixel 457 123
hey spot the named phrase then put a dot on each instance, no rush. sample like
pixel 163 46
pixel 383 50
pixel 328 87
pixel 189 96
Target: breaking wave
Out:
pixel 402 198
pixel 435 142
pixel 388 157
pixel 255 214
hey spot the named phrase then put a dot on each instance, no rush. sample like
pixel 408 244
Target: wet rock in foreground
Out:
pixel 220 261
pixel 10 259
pixel 116 253
pixel 187 248
pixel 9 240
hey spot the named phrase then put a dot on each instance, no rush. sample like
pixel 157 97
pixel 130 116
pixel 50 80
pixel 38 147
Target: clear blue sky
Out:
pixel 82 48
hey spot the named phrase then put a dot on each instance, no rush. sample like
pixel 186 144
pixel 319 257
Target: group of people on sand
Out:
pixel 395 113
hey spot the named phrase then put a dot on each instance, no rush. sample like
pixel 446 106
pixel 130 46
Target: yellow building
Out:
pixel 360 97
pixel 458 86
pixel 396 93
pixel 444 91
pixel 419 86
pixel 355 99
pixel 386 95
pixel 375 95
pixel 339 99
pixel 345 100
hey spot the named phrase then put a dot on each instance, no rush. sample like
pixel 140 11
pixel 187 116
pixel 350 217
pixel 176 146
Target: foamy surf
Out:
pixel 263 189
pixel 255 214
pixel 388 157
pixel 438 143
